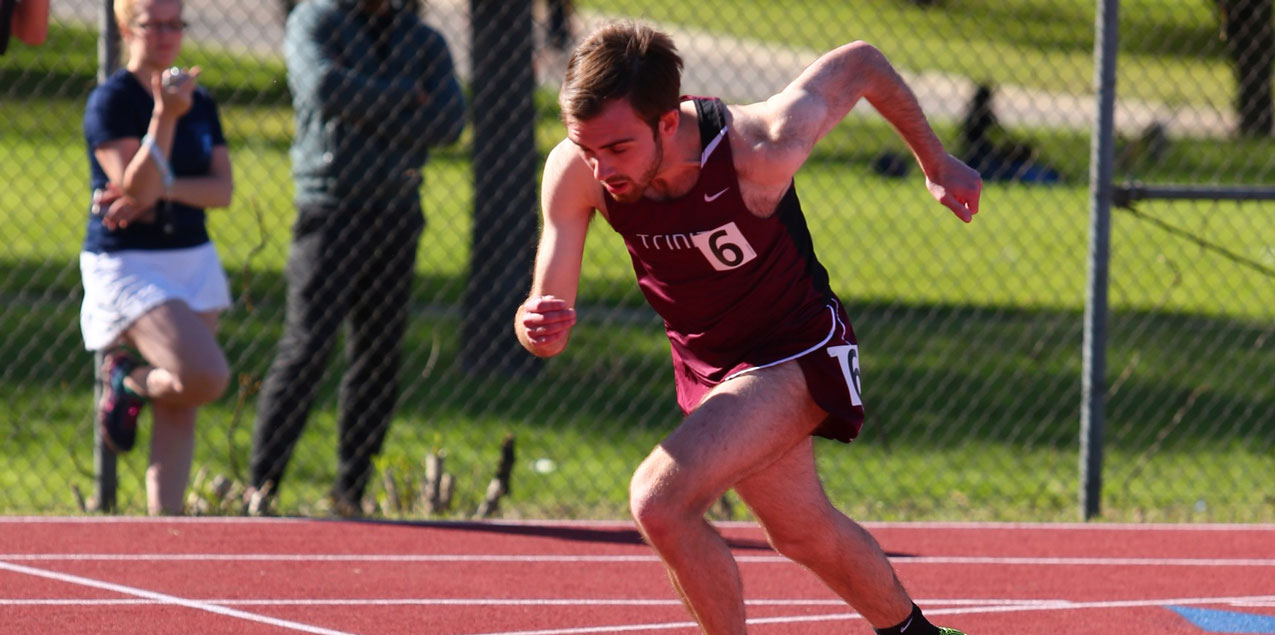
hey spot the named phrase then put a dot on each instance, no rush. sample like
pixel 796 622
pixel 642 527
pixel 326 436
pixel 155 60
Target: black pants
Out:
pixel 352 266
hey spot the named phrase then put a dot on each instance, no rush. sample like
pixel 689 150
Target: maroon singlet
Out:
pixel 738 292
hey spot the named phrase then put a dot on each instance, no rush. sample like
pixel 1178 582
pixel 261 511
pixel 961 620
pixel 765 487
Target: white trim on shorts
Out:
pixel 122 286
pixel 836 321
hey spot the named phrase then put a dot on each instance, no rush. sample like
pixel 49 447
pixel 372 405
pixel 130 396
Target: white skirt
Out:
pixel 121 286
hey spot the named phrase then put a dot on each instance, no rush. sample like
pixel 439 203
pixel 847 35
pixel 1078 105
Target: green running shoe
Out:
pixel 119 407
pixel 949 631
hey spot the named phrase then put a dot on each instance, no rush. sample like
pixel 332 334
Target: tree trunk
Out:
pixel 1250 45
pixel 506 211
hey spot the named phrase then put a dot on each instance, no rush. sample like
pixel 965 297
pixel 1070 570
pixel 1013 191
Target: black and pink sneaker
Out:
pixel 118 410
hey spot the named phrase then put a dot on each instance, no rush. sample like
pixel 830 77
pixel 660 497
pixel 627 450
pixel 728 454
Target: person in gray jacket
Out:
pixel 373 89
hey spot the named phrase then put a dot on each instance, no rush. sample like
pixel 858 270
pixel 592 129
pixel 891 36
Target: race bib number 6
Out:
pixel 848 355
pixel 724 247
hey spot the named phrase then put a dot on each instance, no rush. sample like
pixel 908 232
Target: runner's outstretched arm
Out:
pixel 791 122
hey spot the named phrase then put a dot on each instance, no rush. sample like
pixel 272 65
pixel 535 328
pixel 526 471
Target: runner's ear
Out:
pixel 667 124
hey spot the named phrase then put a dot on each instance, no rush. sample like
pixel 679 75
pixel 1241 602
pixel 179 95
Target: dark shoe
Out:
pixel 345 506
pixel 118 410
pixel 347 509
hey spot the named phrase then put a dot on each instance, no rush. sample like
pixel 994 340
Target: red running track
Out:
pixel 239 575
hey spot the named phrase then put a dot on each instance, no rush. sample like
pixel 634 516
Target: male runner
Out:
pixel 763 354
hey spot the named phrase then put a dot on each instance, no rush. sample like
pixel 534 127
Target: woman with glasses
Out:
pixel 152 279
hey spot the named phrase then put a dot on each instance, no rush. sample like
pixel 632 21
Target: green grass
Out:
pixel 957 430
pixel 971 334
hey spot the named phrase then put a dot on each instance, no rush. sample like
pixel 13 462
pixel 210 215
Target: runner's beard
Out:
pixel 639 186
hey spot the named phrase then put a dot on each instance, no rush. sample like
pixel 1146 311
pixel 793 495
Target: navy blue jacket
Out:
pixel 362 132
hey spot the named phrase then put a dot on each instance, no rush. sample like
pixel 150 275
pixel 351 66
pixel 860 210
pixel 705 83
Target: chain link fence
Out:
pixel 971 335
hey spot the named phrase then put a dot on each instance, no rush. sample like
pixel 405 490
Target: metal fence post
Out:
pixel 108 41
pixel 103 457
pixel 108 47
pixel 1101 158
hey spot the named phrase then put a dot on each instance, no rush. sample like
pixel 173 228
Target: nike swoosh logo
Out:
pixel 904 628
pixel 710 199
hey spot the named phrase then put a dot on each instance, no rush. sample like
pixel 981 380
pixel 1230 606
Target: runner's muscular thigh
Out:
pixel 741 427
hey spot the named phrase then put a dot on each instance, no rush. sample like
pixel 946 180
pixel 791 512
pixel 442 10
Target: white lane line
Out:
pixel 1091 562
pixel 799 602
pixel 487 602
pixel 1048 605
pixel 530 602
pixel 1258 601
pixel 534 558
pixel 963 607
pixel 167 599
pixel 147 520
pixel 1042 605
pixel 614 628
pixel 1028 526
pixel 327 557
pixel 620 524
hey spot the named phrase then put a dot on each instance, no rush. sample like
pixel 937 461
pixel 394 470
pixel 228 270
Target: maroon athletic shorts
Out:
pixel 831 368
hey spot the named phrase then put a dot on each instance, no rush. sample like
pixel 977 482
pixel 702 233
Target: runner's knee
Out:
pixel 662 503
pixel 652 509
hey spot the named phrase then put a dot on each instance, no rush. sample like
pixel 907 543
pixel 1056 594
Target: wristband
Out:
pixel 165 170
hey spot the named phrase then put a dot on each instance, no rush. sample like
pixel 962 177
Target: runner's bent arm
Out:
pixel 568 199
pixel 786 127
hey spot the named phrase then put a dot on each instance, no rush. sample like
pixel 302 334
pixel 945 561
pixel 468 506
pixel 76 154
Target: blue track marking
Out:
pixel 1214 621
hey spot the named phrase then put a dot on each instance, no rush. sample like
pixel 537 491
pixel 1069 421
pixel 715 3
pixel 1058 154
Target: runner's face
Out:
pixel 621 149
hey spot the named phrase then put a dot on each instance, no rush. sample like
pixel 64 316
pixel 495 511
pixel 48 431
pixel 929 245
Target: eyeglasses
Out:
pixel 171 26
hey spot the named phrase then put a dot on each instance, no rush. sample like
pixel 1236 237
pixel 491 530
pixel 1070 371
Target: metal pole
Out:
pixel 1101 160
pixel 103 458
pixel 108 41
pixel 108 46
